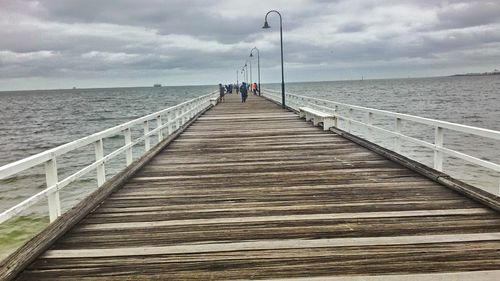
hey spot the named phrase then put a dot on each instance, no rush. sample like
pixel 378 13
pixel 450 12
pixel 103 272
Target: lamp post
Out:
pixel 237 77
pixel 251 80
pixel 246 72
pixel 266 25
pixel 258 63
pixel 249 62
pixel 244 79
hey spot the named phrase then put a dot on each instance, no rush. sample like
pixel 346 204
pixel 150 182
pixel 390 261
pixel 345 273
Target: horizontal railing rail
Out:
pixel 294 102
pixel 169 120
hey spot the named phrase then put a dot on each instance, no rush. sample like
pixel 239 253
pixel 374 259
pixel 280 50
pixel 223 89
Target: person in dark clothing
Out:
pixel 221 92
pixel 244 92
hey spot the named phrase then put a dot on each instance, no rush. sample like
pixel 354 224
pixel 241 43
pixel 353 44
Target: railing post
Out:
pixel 397 139
pixel 128 140
pixel 370 123
pixel 349 123
pixel 53 197
pixel 99 154
pixel 167 122
pixel 158 125
pixel 177 117
pixel 438 142
pixel 147 141
pixel 336 114
pixel 181 114
pixel 171 124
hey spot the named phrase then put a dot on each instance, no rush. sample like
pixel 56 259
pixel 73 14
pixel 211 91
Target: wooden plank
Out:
pixel 484 275
pixel 361 215
pixel 270 245
pixel 127 211
pixel 285 263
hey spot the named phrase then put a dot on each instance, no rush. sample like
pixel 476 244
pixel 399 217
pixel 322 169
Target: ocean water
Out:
pixel 34 121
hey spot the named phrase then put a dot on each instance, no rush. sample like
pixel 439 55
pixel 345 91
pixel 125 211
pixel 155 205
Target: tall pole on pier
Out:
pixel 250 61
pixel 237 78
pixel 266 25
pixel 258 63
pixel 246 72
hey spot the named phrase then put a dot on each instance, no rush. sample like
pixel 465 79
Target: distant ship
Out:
pixel 157 85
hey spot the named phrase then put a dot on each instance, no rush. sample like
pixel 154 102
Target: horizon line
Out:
pixel 215 84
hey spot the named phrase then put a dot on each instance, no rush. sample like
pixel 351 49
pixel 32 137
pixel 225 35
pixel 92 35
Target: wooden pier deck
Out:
pixel 250 191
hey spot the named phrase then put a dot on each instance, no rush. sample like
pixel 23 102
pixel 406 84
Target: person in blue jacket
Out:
pixel 221 92
pixel 244 92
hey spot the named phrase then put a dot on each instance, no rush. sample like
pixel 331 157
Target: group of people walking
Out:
pixel 243 89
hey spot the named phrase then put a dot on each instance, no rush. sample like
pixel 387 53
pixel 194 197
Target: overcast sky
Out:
pixel 96 43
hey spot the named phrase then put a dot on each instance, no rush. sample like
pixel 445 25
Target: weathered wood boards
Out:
pixel 250 191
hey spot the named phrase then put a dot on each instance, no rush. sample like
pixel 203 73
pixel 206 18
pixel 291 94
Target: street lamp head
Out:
pixel 251 55
pixel 266 25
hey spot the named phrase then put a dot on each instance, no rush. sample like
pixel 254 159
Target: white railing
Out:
pixel 167 120
pixel 295 101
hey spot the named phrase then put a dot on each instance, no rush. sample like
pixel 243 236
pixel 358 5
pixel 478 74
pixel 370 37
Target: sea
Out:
pixel 34 121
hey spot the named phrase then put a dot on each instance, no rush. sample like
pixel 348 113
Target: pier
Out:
pixel 250 191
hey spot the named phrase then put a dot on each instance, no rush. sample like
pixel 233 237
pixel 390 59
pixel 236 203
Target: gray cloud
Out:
pixel 176 41
pixel 351 27
pixel 469 13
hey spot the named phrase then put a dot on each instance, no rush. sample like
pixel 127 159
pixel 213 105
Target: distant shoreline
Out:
pixel 477 74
